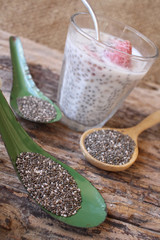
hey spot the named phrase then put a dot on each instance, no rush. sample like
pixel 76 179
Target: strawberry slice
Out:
pixel 120 58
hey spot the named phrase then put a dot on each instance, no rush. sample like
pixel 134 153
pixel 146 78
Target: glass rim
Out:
pixel 142 58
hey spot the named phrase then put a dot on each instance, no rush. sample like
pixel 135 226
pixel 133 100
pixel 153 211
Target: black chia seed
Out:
pixel 36 109
pixel 110 146
pixel 49 184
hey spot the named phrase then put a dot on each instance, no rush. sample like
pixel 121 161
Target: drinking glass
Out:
pixel 97 76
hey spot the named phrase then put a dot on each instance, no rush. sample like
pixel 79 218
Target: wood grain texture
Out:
pixel 132 196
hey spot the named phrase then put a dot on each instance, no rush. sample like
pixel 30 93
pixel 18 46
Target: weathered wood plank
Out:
pixel 132 196
pixel 20 217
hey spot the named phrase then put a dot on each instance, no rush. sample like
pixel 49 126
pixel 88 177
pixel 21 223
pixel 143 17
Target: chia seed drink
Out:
pixel 92 84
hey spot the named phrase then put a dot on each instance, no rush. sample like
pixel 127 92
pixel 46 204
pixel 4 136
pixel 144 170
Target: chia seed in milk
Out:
pixel 92 87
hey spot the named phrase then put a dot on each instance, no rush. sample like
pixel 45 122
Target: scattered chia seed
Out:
pixel 36 109
pixel 49 184
pixel 110 146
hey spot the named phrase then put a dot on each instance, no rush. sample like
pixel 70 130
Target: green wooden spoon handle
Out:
pixel 20 67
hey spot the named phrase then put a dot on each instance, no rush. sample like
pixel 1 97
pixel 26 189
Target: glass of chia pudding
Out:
pixel 97 76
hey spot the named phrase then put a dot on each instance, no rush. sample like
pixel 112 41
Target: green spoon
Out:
pixel 23 84
pixel 16 140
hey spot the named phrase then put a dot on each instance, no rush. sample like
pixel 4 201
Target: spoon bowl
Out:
pixel 16 140
pixel 23 84
pixel 132 132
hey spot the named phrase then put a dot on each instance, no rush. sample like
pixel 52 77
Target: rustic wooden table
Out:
pixel 132 196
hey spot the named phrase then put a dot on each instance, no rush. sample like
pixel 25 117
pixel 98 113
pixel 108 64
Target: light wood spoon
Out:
pixel 133 132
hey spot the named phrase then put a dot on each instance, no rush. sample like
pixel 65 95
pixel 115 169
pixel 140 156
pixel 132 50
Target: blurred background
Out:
pixel 46 21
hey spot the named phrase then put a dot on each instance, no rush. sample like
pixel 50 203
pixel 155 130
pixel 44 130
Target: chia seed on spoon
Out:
pixel 110 146
pixel 49 184
pixel 36 109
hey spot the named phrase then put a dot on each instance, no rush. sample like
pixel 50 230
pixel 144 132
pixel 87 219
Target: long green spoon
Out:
pixel 93 207
pixel 23 84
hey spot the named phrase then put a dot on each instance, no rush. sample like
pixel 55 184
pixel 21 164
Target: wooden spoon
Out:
pixel 16 140
pixel 133 132
pixel 23 84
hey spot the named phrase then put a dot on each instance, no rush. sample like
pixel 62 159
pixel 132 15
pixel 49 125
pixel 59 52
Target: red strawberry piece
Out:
pixel 119 57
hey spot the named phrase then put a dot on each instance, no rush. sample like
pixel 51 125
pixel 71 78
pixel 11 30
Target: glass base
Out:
pixel 80 127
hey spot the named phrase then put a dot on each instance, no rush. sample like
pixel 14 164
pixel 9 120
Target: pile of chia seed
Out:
pixel 49 184
pixel 36 109
pixel 110 146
